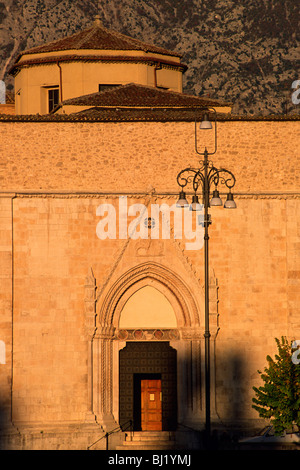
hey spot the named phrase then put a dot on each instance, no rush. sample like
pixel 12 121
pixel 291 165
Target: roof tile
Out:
pixel 142 96
pixel 98 37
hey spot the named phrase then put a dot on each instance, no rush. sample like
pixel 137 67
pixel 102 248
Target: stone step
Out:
pixel 143 446
pixel 151 436
pixel 149 440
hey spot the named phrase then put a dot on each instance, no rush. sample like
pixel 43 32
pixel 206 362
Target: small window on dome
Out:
pixel 53 98
pixel 106 87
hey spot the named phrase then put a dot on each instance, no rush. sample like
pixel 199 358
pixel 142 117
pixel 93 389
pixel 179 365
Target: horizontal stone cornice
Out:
pixel 111 194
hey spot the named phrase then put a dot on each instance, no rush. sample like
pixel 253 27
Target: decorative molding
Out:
pixel 90 302
pixel 108 340
pixel 142 334
pixel 108 307
pixel 190 334
pixel 130 194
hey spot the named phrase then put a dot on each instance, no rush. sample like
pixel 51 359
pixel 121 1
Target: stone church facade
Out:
pixel 91 311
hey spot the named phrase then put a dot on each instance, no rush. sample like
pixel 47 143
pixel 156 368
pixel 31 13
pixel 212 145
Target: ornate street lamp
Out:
pixel 202 180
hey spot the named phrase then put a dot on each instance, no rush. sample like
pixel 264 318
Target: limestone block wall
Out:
pixel 138 156
pixel 6 307
pixel 53 177
pixel 252 257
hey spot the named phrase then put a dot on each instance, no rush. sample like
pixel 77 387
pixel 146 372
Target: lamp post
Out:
pixel 202 179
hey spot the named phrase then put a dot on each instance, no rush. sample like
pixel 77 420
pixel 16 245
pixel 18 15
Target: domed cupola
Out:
pixel 90 61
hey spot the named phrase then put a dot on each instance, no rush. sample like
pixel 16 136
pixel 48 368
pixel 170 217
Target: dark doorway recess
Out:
pixel 138 406
pixel 147 361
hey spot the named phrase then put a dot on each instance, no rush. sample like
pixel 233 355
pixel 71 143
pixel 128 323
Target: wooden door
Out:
pixel 151 410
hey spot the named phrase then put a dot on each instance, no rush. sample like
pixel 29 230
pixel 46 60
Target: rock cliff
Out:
pixel 245 51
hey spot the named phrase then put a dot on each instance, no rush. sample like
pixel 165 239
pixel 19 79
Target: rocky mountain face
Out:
pixel 244 51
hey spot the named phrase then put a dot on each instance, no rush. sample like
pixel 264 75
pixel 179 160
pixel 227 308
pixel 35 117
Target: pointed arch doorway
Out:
pixel 122 353
pixel 148 379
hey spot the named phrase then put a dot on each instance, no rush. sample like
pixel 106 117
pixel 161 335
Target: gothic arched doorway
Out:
pixel 175 334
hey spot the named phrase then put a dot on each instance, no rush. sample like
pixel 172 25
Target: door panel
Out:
pixel 151 409
pixel 147 360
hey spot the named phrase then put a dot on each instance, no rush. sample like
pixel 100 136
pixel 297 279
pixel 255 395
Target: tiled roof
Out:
pixel 141 96
pixel 96 58
pixel 100 38
pixel 139 114
pixel 131 114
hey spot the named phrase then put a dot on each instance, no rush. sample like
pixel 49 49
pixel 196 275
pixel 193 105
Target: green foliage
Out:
pixel 279 398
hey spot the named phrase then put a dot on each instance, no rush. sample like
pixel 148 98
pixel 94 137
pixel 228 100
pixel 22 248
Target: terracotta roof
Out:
pixel 131 114
pixel 139 114
pixel 98 37
pixel 141 96
pixel 96 58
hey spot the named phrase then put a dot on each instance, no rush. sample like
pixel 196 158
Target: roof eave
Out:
pixel 89 58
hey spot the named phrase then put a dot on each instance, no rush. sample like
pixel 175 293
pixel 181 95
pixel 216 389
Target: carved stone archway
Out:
pixel 165 280
pixel 106 340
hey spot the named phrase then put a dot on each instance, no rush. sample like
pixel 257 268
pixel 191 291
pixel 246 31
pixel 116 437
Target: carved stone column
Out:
pixel 90 328
pixel 103 377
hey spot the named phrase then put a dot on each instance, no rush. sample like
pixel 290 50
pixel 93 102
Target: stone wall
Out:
pixel 132 156
pixel 53 178
pixel 7 108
